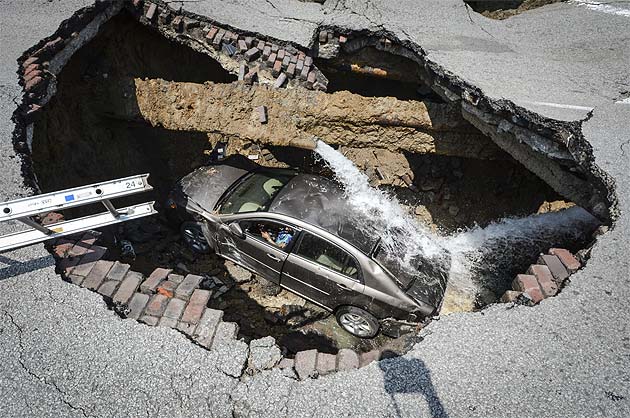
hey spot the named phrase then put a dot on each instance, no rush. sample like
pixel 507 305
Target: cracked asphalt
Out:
pixel 63 353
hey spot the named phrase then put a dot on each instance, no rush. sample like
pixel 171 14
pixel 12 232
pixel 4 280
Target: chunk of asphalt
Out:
pixel 263 354
pixel 306 364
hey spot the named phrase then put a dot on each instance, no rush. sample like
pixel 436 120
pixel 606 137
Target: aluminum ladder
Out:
pixel 24 209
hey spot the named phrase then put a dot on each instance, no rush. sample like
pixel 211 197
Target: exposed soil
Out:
pixel 507 8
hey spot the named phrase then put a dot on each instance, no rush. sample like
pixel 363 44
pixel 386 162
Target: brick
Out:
pixel 151 11
pixel 293 59
pixel 62 248
pixel 230 36
pixel 242 46
pixel 299 65
pixel 188 286
pixel 218 38
pixel 178 23
pixel 323 37
pixel 274 48
pixel 291 70
pixel 29 61
pixel 566 258
pixel 286 363
pixel 75 279
pixel 252 54
pixel 156 305
pixel 242 70
pixel 308 61
pixel 149 320
pixel 557 269
pixel 168 322
pixel 212 33
pixel 96 276
pixel 310 79
pixel 118 271
pixel 88 260
pixel 325 363
pixel 524 282
pixel 197 304
pixel 150 285
pixel 128 287
pixel 261 45
pixel 249 41
pixel 186 328
pixel 136 305
pixel 108 288
pixel 175 278
pixel 286 61
pixel 31 75
pixel 369 357
pixel 347 359
pixel 266 51
pixel 261 112
pixel 280 81
pixel 281 53
pixel 251 76
pixel 174 308
pixel 167 288
pixel 277 67
pixel 79 248
pixel 304 72
pixel 536 295
pixel 343 39
pixel 272 59
pixel 544 278
pixel 305 364
pixel 204 333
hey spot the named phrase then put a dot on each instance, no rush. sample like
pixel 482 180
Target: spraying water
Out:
pixel 479 257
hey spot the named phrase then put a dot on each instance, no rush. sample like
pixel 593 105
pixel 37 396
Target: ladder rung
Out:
pixel 34 236
pixel 78 196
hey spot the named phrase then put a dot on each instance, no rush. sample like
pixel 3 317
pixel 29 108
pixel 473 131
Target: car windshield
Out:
pixel 256 192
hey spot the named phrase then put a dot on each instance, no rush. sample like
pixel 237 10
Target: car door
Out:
pixel 322 272
pixel 254 252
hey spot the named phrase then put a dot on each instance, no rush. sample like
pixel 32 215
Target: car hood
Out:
pixel 205 186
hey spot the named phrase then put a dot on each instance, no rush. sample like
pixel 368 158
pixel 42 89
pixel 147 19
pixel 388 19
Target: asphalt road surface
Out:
pixel 64 353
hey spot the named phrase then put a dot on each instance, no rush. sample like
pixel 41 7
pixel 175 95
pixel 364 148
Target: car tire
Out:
pixel 357 321
pixel 192 234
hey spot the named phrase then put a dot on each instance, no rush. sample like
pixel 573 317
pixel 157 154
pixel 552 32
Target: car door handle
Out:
pixel 273 257
pixel 343 286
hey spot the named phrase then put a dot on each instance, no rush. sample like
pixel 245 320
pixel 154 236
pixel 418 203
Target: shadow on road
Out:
pixel 10 267
pixel 404 375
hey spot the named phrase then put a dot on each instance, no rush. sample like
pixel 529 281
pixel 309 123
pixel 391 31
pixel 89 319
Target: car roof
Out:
pixel 322 202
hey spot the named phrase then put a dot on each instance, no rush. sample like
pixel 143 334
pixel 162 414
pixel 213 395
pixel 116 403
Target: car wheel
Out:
pixel 357 321
pixel 192 233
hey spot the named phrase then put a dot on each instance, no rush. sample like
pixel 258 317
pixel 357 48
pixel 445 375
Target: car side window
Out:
pixel 274 233
pixel 328 255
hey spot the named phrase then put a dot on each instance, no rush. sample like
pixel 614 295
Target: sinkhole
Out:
pixel 131 101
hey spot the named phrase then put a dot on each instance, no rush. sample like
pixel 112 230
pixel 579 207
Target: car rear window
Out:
pixel 256 192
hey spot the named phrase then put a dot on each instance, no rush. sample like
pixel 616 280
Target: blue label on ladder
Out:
pixel 69 198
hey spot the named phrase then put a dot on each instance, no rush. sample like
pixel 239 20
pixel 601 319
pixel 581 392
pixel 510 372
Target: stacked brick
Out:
pixel 285 62
pixel 171 300
pixel 543 279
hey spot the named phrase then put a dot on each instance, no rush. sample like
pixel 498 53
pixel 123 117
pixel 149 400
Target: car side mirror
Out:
pixel 236 229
